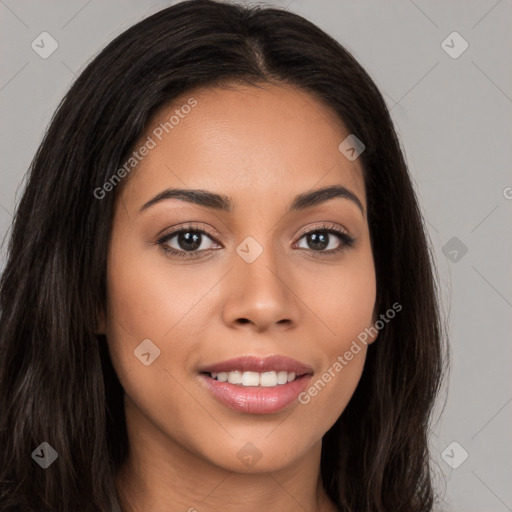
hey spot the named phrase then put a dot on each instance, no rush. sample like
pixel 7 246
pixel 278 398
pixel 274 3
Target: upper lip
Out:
pixel 259 364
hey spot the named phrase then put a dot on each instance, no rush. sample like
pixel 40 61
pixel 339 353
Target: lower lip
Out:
pixel 256 399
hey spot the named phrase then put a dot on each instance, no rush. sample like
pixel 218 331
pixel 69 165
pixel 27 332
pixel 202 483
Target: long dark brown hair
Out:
pixel 57 383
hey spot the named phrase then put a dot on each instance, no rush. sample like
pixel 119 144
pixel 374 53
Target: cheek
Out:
pixel 147 293
pixel 343 301
pixel 145 300
pixel 330 391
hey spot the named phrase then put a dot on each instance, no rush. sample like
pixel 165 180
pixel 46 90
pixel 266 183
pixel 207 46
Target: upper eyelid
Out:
pixel 174 232
pixel 325 225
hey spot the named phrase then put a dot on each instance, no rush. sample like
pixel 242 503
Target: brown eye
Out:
pixel 327 240
pixel 188 241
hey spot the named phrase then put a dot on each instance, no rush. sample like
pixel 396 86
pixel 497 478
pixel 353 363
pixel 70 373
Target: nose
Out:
pixel 260 295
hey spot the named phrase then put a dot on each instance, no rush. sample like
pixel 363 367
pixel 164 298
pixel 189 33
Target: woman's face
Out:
pixel 257 286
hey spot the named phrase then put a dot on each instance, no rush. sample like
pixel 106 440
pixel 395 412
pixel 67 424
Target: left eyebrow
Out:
pixel 225 203
pixel 322 195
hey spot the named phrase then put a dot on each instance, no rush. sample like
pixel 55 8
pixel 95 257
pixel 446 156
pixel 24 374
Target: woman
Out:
pixel 219 293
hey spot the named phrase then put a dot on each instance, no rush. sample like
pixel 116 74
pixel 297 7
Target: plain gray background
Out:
pixel 453 114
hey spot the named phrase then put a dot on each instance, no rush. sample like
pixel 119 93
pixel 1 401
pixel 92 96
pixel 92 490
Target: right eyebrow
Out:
pixel 199 197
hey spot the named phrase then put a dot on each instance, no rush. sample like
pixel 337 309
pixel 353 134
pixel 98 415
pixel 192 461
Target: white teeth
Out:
pixel 282 377
pixel 250 379
pixel 268 379
pixel 234 377
pixel 265 379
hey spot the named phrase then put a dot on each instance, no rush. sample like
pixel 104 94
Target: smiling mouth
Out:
pixel 254 384
pixel 256 393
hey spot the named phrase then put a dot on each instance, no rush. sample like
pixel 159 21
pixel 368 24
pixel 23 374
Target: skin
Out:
pixel 261 147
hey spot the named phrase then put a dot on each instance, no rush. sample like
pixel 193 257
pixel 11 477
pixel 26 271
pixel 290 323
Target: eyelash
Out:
pixel 347 241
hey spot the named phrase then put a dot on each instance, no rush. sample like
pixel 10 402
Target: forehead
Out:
pixel 270 141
